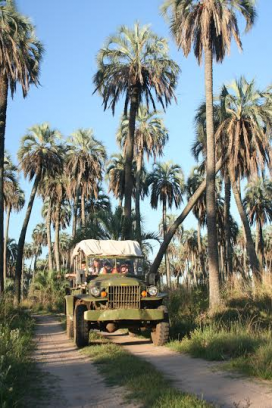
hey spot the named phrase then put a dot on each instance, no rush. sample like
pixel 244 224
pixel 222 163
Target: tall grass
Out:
pixel 16 328
pixel 239 332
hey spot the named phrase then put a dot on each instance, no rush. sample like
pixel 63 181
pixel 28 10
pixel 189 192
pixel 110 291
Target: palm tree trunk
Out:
pixel 167 265
pixel 228 248
pixel 6 242
pixel 57 228
pixel 83 218
pixel 172 229
pixel 134 104
pixel 137 196
pixel 21 242
pixel 35 264
pixel 214 294
pixel 48 229
pixel 200 251
pixel 75 212
pixel 254 263
pixel 3 111
pixel 257 239
pixel 261 245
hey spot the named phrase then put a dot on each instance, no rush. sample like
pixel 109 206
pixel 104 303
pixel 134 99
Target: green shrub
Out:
pixel 47 292
pixel 186 308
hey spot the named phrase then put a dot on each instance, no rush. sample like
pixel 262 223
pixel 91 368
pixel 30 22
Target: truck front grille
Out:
pixel 124 297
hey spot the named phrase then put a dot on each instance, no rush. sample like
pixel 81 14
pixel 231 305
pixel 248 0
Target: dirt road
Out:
pixel 200 377
pixel 71 379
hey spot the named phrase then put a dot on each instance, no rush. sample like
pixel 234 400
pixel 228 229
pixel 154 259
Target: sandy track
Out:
pixel 71 380
pixel 200 377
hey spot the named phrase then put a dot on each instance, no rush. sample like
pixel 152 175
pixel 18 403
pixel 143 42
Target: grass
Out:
pixel 141 380
pixel 239 333
pixel 258 364
pixel 19 376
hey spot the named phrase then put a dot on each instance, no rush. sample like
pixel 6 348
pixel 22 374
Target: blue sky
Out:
pixel 72 33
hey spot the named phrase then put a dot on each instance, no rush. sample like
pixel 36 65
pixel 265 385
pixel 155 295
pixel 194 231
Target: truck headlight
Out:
pixel 95 291
pixel 152 290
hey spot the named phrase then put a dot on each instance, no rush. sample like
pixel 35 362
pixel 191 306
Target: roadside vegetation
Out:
pixel 46 292
pixel 142 381
pixel 17 370
pixel 239 332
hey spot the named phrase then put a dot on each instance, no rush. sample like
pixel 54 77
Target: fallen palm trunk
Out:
pixel 172 229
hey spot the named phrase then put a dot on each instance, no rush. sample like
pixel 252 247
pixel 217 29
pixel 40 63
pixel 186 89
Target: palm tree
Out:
pixel 11 254
pixel 200 147
pixel 20 57
pixel 64 245
pixel 61 212
pixel 134 63
pixel 47 193
pixel 199 209
pixel 244 134
pixel 167 186
pixel 14 201
pixel 84 167
pixel 99 203
pixel 258 203
pixel 208 26
pixel 149 138
pixel 39 236
pixel 39 156
pixel 115 176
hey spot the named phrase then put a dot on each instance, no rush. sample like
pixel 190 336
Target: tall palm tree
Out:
pixel 258 203
pixel 39 236
pixel 115 176
pixel 209 26
pixel 244 134
pixel 195 179
pixel 46 191
pixel 134 63
pixel 99 203
pixel 14 201
pixel 20 57
pixel 61 212
pixel 167 186
pixel 11 254
pixel 200 147
pixel 149 138
pixel 39 156
pixel 64 245
pixel 84 167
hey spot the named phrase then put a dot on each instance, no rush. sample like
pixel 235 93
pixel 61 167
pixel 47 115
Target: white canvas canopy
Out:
pixel 93 247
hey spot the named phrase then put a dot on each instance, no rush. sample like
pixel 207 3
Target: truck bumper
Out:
pixel 123 314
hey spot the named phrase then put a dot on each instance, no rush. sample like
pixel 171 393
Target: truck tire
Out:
pixel 160 333
pixel 81 327
pixel 69 327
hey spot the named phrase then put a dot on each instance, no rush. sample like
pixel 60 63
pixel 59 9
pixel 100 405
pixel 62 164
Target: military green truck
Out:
pixel 122 294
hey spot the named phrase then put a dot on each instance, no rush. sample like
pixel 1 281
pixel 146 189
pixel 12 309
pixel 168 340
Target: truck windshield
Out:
pixel 126 266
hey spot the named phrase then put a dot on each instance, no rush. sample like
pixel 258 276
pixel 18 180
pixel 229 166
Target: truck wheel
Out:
pixel 81 327
pixel 69 327
pixel 160 333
